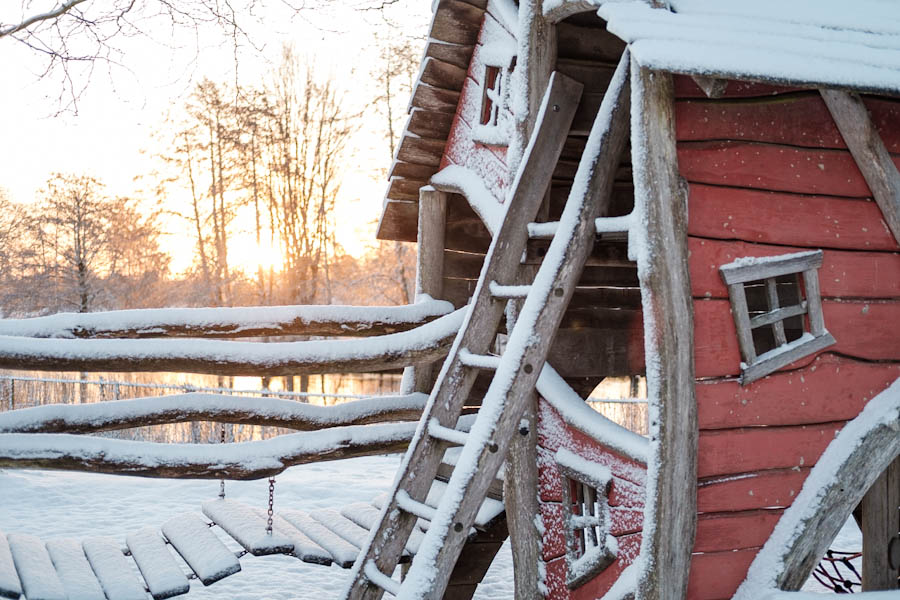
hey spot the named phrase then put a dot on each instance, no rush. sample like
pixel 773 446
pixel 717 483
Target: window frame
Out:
pixel 585 561
pixel 815 336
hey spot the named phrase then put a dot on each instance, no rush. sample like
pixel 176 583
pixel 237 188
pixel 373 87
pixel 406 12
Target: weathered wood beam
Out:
pixel 218 357
pixel 246 460
pixel 229 322
pixel 836 484
pixel 661 203
pixel 197 406
pixel 880 524
pixel 869 152
pixel 555 12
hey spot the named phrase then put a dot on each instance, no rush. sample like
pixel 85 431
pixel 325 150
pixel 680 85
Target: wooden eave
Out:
pixel 454 31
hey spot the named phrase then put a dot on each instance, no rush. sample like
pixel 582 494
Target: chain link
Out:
pixel 222 481
pixel 271 511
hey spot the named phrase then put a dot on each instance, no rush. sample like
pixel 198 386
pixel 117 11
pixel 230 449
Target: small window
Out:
pixel 590 548
pixel 492 98
pixel 777 310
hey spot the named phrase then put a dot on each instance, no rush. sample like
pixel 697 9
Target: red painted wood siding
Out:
pixel 626 500
pixel 770 174
pixel 486 161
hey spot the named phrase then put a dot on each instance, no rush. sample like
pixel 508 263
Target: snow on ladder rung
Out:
pixel 116 576
pixel 204 553
pixel 249 529
pixel 447 434
pixel 546 231
pixel 10 587
pixel 157 564
pixel 375 576
pixel 343 552
pixel 542 231
pixel 508 291
pixel 36 572
pixel 414 507
pixel 479 361
pixel 73 570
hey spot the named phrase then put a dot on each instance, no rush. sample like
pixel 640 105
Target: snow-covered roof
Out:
pixel 843 44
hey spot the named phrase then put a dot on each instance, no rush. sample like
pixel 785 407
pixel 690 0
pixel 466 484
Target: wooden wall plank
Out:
pixel 717 575
pixel 629 546
pixel 587 43
pixel 750 491
pixel 796 120
pixel 830 388
pixel 594 75
pixel 735 530
pixel 784 218
pixel 773 167
pixel 843 274
pixel 866 330
pixel 621 492
pixel 733 451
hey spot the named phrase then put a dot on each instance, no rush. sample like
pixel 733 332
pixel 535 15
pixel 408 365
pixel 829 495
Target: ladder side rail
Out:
pixel 454 382
pixel 528 344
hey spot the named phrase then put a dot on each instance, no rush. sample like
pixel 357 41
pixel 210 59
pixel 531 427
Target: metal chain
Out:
pixel 271 511
pixel 222 481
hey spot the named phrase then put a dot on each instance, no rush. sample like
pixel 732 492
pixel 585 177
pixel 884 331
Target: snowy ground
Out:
pixel 63 504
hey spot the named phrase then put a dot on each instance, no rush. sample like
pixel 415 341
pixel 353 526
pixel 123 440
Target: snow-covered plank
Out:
pixel 221 357
pixel 244 321
pixel 343 552
pixel 73 570
pixel 204 553
pixel 367 516
pixel 197 406
pixel 36 572
pixel 490 509
pixel 304 548
pixel 245 525
pixel 117 577
pixel 245 460
pixel 341 525
pixel 10 587
pixel 156 563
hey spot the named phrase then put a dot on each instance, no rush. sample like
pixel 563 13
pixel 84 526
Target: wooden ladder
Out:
pixel 515 372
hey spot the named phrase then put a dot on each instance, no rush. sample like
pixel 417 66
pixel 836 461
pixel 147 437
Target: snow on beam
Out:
pixel 426 343
pixel 558 10
pixel 180 408
pixel 244 321
pixel 247 460
pixel 846 470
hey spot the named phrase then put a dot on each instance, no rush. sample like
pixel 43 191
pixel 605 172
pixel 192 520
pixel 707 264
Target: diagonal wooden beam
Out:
pixel 868 151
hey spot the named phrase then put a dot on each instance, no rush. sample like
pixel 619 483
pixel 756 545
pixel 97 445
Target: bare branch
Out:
pixel 61 10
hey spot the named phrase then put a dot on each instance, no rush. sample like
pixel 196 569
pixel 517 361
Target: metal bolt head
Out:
pixel 493 447
pixel 528 368
pixel 556 108
pixel 457 527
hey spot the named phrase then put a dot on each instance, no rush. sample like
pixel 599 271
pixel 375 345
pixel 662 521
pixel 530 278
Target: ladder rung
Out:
pixel 480 361
pixel 414 507
pixel 613 224
pixel 375 576
pixel 542 231
pixel 448 434
pixel 509 291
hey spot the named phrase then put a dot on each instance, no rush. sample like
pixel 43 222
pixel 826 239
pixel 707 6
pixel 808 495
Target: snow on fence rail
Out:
pixel 426 343
pixel 250 321
pixel 182 408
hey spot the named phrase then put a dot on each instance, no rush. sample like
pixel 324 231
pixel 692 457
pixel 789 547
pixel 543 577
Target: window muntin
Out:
pixel 777 310
pixel 492 96
pixel 590 548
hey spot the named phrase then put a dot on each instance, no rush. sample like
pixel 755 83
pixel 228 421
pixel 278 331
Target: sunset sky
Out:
pixel 110 136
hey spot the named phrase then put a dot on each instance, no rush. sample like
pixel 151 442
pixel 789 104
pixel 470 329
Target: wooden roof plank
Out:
pixel 433 99
pixel 455 54
pixel 456 22
pixel 442 74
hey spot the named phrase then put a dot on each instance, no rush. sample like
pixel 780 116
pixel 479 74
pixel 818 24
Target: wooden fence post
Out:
pixel 880 523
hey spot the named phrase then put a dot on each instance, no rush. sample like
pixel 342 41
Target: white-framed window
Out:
pixel 777 310
pixel 494 125
pixel 590 548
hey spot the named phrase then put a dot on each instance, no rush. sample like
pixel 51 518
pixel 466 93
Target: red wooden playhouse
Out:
pixel 705 193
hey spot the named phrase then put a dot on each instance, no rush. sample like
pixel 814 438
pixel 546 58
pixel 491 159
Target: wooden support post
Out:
pixel 869 152
pixel 520 494
pixel 534 64
pixel 661 202
pixel 880 523
pixel 429 265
